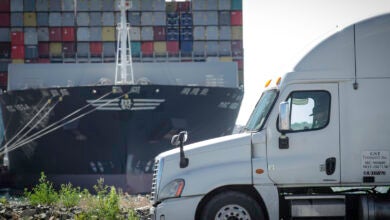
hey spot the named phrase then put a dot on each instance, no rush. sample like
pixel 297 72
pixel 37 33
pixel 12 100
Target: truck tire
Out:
pixel 232 205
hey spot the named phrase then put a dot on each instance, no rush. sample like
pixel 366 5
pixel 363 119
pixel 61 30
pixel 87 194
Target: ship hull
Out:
pixel 105 131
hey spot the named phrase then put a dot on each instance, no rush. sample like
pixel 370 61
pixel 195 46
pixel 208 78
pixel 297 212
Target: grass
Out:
pixel 107 202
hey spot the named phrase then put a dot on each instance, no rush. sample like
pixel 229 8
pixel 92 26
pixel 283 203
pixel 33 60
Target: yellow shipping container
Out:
pixel 17 61
pixel 55 49
pixel 160 47
pixel 30 19
pixel 226 59
pixel 108 33
pixel 236 32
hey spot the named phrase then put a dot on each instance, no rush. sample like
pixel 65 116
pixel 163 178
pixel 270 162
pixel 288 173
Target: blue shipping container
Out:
pixel 186 46
pixel 29 5
pixel 172 34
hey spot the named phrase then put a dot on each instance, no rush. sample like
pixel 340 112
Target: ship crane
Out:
pixel 124 64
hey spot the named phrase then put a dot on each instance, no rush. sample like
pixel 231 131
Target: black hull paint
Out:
pixel 118 141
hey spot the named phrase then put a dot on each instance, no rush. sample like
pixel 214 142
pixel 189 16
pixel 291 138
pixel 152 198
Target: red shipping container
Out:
pixel 17 52
pixel 5 5
pixel 96 48
pixel 240 64
pixel 173 46
pixel 17 38
pixel 43 49
pixel 183 6
pixel 3 79
pixel 236 18
pixel 159 33
pixel 55 34
pixel 68 34
pixel 147 48
pixel 5 19
pixel 43 60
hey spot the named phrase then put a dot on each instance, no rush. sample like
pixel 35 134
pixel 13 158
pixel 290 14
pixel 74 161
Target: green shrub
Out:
pixel 69 196
pixel 3 200
pixel 43 193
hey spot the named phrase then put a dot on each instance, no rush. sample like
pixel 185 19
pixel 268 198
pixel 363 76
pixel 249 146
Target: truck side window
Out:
pixel 310 110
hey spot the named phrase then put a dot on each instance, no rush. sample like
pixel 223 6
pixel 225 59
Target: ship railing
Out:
pixel 139 57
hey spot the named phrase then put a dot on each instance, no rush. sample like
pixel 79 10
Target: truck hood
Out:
pixel 209 145
pixel 224 160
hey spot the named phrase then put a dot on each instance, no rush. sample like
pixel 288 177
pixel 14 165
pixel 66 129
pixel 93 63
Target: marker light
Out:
pixel 267 83
pixel 278 80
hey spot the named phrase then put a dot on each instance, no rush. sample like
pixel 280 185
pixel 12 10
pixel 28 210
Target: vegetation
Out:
pixel 43 193
pixel 106 203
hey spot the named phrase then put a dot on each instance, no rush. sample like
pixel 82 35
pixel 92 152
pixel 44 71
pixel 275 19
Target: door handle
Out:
pixel 330 164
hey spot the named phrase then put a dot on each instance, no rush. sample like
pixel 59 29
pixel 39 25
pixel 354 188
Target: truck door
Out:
pixel 310 153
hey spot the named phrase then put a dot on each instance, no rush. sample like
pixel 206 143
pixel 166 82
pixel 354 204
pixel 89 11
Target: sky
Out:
pixel 277 33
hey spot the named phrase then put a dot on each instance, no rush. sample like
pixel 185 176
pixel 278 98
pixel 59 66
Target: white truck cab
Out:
pixel 317 144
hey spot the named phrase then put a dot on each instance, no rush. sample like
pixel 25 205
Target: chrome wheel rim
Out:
pixel 232 212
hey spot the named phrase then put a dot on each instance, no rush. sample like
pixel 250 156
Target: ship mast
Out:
pixel 124 64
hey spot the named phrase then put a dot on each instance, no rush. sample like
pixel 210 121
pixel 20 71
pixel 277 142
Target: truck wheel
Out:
pixel 232 206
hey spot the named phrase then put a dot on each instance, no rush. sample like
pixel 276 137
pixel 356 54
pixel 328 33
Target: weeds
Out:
pixel 69 196
pixel 108 203
pixel 43 193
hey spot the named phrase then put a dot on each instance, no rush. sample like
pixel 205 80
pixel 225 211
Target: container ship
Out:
pixel 80 101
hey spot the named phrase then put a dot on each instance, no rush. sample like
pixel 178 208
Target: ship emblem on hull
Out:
pixel 125 104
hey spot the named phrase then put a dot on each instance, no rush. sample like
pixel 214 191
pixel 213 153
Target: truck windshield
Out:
pixel 260 113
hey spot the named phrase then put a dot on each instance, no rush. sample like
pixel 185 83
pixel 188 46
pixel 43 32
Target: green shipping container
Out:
pixel 236 5
pixel 135 48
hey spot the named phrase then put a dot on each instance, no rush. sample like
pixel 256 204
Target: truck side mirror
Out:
pixel 284 117
pixel 179 140
pixel 284 124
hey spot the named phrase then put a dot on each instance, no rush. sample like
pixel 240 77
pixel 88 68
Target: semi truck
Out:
pixel 317 145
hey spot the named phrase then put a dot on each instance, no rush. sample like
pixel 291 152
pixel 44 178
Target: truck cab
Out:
pixel 316 146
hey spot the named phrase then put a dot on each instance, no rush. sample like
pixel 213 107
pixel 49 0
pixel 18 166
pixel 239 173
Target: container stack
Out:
pixel 51 31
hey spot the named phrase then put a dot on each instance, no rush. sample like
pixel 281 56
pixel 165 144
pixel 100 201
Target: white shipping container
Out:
pixel 212 48
pixel 16 5
pixel 199 5
pixel 82 34
pixel 30 36
pixel 147 33
pixel 212 5
pixel 159 18
pixel 135 33
pixel 224 5
pixel 199 33
pixel 199 18
pixel 225 33
pixel 212 33
pixel 146 18
pixel 199 48
pixel 108 19
pixel 135 5
pixel 225 48
pixel 212 18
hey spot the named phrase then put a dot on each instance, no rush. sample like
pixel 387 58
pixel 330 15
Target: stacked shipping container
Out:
pixel 46 31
